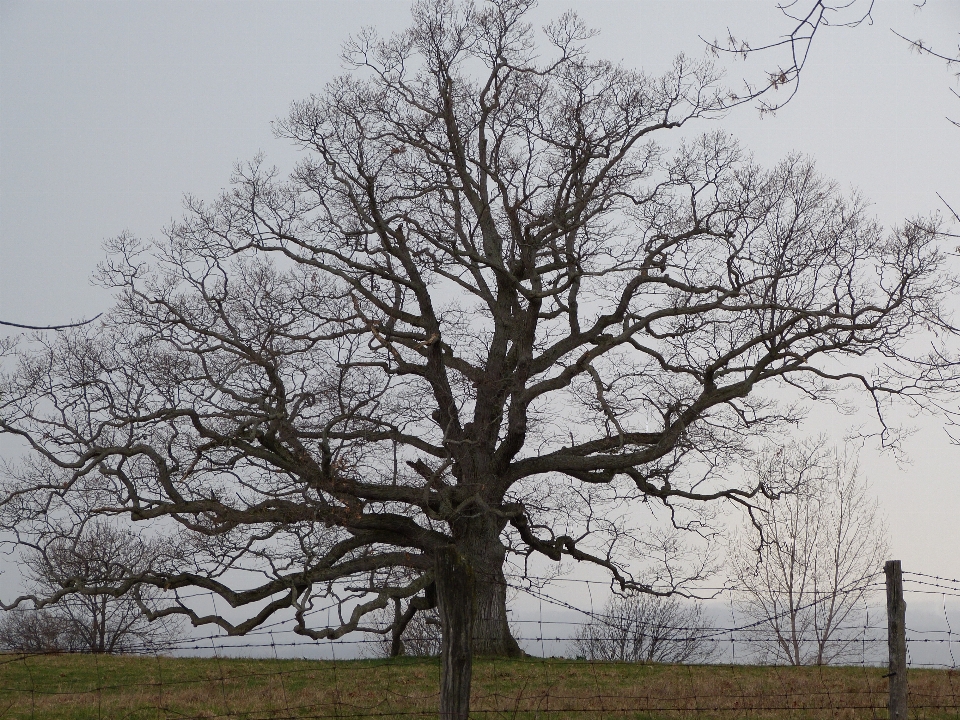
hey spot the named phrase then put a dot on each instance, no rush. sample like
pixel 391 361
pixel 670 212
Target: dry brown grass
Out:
pixel 75 687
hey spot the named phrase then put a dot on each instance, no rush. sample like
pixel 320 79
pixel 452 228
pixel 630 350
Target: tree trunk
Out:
pixel 396 637
pixel 455 591
pixel 472 600
pixel 478 541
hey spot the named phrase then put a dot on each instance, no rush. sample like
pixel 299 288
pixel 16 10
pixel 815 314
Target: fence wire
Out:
pixel 212 676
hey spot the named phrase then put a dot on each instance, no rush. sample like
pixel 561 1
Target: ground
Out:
pixel 75 687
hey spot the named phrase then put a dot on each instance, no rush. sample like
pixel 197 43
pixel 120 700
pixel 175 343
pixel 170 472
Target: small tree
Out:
pixel 407 632
pixel 646 628
pixel 35 631
pixel 93 619
pixel 822 548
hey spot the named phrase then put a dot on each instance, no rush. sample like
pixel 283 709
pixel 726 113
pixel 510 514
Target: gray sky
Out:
pixel 110 111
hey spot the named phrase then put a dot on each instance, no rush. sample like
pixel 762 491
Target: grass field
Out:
pixel 75 687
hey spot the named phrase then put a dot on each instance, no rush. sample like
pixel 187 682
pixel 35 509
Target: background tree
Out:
pixel 484 312
pixel 66 621
pixel 822 550
pixel 647 628
pixel 35 631
pixel 418 635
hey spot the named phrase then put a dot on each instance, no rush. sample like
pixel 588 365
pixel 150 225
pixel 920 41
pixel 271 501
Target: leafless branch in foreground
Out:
pixel 793 48
pixel 50 327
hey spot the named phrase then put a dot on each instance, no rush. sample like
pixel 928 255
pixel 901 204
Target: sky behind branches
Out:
pixel 111 111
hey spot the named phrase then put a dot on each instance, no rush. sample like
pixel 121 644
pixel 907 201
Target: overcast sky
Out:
pixel 110 111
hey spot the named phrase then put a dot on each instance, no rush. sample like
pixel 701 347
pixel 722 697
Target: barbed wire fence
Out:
pixel 214 676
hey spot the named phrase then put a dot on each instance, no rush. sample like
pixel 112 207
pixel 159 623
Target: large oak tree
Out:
pixel 485 310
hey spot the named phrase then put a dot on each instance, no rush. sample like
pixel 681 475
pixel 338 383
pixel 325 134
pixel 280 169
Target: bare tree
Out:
pixel 99 623
pixel 647 628
pixel 35 631
pixel 418 635
pixel 822 550
pixel 485 312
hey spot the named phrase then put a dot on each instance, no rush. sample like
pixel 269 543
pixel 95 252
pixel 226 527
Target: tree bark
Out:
pixel 396 637
pixel 478 540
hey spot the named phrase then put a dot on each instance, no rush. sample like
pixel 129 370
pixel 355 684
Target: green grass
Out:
pixel 85 687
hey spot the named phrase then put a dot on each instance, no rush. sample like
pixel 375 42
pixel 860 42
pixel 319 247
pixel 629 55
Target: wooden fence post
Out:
pixel 896 641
